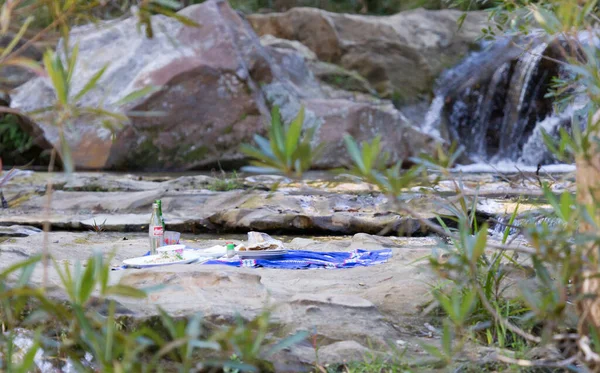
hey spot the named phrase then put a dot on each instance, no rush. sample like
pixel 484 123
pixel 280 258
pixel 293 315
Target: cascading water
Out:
pixel 495 104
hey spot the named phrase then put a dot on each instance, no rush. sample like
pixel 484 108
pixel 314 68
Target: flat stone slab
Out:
pixel 350 310
pixel 122 203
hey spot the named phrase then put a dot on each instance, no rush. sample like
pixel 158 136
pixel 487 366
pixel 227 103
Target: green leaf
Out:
pixel 480 243
pixel 265 146
pixel 293 134
pixel 181 18
pixel 168 323
pixel 566 204
pixel 172 4
pixel 133 96
pixel 205 345
pixel 22 264
pixel 87 282
pixel 72 63
pixel 461 20
pixel 99 112
pixel 91 83
pixel 288 342
pixel 193 327
pixel 28 361
pixel 355 152
pixel 26 63
pixel 125 291
pixel 110 332
pixel 16 38
pixel 277 139
pixel 434 351
pixel 466 306
pixel 260 158
pixel 56 77
pixel 511 222
pixel 65 153
pixel 26 274
pixel 447 337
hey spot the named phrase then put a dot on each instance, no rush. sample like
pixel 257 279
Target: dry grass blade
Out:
pixel 8 176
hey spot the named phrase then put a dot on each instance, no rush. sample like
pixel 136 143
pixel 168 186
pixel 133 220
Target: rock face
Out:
pixel 206 91
pixel 399 54
pixel 216 84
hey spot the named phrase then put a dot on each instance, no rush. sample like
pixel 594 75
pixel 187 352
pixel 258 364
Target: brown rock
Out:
pixel 400 54
pixel 365 121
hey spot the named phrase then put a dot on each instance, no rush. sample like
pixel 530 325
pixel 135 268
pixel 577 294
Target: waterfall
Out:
pixel 495 104
pixel 535 150
pixel 519 105
pixel 431 125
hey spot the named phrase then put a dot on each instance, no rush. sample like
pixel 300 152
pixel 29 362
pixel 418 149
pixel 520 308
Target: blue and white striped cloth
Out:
pixel 301 259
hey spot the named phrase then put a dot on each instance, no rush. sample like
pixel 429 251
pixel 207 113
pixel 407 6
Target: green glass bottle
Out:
pixel 160 214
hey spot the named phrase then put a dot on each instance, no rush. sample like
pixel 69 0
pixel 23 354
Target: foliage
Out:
pixel 16 145
pixel 85 330
pixel 12 136
pixel 88 323
pixel 287 150
pixel 224 183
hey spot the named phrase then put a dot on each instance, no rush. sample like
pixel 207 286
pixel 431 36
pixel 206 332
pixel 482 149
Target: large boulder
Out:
pixel 210 103
pixel 399 54
pixel 217 84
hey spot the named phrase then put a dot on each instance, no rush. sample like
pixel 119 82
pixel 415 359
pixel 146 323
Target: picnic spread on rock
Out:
pixel 259 250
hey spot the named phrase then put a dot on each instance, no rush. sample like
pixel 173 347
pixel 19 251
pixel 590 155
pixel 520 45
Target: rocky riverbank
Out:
pixel 195 204
pixel 353 313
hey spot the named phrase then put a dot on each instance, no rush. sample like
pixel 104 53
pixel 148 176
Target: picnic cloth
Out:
pixel 301 259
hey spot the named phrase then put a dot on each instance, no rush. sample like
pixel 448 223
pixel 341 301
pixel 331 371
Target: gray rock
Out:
pixel 399 54
pixel 315 206
pixel 18 231
pixel 216 83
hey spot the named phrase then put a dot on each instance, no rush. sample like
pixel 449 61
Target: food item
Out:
pixel 260 241
pixel 160 259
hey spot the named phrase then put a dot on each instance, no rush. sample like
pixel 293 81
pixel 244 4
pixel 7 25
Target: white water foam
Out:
pixel 509 167
pixel 431 124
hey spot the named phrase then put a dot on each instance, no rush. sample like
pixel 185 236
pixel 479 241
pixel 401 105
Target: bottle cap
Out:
pixel 230 246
